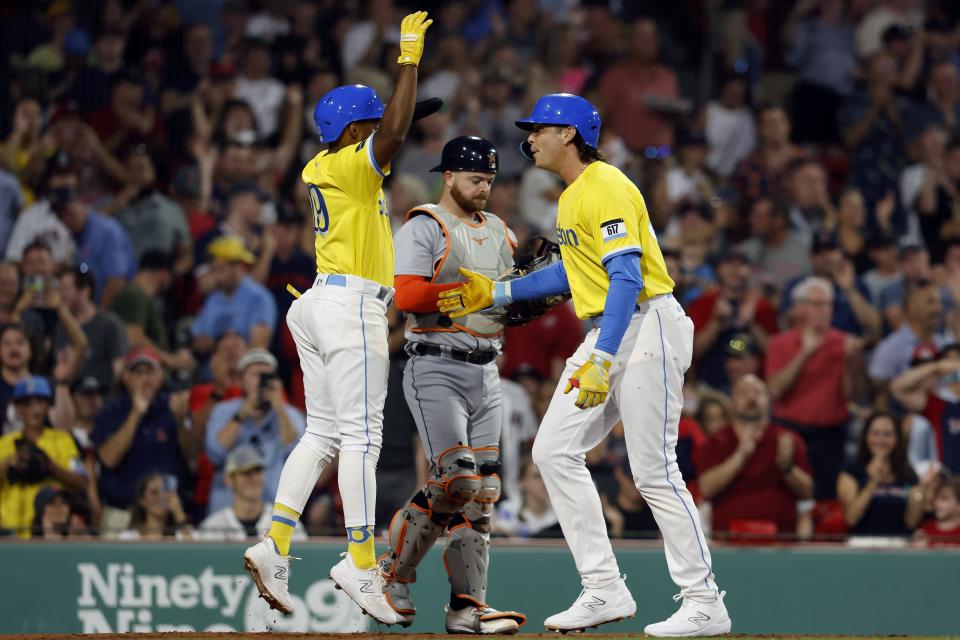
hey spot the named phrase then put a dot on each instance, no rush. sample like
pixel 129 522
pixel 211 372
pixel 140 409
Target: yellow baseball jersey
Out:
pixel 350 214
pixel 602 214
pixel 16 500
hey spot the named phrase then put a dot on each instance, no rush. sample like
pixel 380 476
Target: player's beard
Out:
pixel 470 205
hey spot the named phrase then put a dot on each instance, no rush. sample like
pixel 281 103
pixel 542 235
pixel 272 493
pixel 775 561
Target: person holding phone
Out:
pixel 261 418
pixel 143 429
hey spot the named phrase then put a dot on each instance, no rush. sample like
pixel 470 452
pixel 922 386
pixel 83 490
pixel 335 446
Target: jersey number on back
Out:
pixel 321 217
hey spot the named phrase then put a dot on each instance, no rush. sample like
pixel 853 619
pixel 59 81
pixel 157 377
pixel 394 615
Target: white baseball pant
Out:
pixel 340 328
pixel 646 381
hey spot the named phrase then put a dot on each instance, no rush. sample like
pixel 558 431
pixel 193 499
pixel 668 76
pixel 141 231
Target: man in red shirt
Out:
pixel 813 371
pixel 630 91
pixel 721 314
pixel 752 469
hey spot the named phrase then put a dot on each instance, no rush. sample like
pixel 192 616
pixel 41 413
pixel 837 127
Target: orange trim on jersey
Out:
pixel 506 232
pixel 477 225
pixel 446 237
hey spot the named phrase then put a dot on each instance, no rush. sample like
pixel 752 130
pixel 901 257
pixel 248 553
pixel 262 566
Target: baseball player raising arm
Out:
pixel 452 386
pixel 340 329
pixel 636 354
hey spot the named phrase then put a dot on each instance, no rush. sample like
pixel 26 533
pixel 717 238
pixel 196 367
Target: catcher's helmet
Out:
pixel 468 153
pixel 564 110
pixel 343 105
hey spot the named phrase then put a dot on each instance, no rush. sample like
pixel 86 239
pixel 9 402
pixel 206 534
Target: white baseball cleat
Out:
pixel 693 619
pixel 484 620
pixel 270 571
pixel 611 603
pixel 365 587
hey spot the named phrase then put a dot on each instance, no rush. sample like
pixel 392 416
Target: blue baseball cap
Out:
pixel 565 110
pixel 32 387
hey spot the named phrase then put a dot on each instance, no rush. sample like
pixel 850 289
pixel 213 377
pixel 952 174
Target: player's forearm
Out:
pixel 397 117
pixel 415 294
pixel 549 281
pixel 626 282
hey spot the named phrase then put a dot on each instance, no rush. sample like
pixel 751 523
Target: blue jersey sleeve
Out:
pixel 549 281
pixel 626 282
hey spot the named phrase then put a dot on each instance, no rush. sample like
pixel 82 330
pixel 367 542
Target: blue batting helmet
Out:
pixel 566 110
pixel 344 105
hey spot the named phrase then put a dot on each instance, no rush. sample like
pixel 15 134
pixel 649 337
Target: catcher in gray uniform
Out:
pixel 452 386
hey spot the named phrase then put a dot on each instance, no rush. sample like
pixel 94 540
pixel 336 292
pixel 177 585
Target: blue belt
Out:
pixel 340 280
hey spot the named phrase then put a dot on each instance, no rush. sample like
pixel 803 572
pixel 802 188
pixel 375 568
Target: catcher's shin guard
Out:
pixel 413 530
pixel 458 481
pixel 466 558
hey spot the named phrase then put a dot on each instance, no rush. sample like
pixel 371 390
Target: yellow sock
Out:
pixel 282 526
pixel 361 548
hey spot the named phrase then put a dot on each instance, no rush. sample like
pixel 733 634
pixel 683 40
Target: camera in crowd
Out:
pixel 266 381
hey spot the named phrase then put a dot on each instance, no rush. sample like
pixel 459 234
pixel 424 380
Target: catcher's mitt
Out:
pixel 539 253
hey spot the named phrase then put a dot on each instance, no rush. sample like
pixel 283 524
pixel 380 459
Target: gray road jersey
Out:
pixel 420 247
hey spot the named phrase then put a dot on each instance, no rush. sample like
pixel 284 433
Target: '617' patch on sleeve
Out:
pixel 613 229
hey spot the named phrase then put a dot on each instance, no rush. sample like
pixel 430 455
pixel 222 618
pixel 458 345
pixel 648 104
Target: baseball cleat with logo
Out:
pixel 365 587
pixel 693 619
pixel 484 620
pixel 270 572
pixel 611 603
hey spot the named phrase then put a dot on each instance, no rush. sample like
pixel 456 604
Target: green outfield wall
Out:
pixel 90 587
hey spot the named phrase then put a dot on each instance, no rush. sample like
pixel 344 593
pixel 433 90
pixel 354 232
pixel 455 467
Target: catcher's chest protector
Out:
pixel 484 248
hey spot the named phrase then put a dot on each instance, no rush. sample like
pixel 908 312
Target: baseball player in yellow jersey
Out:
pixel 340 328
pixel 630 367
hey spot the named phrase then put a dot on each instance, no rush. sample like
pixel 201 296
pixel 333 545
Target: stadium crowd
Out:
pixel 800 162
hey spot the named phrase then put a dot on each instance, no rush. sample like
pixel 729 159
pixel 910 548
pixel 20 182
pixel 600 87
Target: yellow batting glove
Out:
pixel 476 294
pixel 593 381
pixel 413 30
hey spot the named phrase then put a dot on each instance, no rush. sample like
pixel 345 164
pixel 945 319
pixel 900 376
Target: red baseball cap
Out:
pixel 141 355
pixel 924 353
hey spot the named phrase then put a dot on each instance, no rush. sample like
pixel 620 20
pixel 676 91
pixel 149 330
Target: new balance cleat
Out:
pixel 693 619
pixel 365 587
pixel 270 572
pixel 594 607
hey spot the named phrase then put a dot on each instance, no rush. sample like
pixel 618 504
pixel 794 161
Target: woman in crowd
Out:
pixel 879 492
pixel 157 512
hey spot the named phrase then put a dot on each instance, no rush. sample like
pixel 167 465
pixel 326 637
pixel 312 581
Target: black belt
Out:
pixel 473 357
